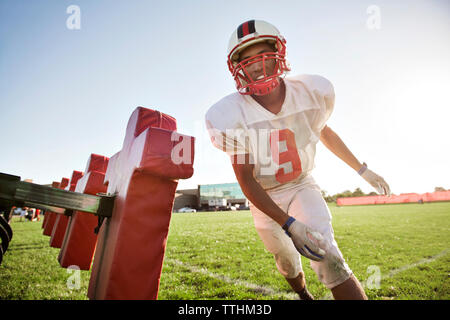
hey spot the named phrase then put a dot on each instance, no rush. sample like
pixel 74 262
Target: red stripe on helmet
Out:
pixel 245 29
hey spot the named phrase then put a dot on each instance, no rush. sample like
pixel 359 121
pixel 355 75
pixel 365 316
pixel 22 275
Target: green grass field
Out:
pixel 219 256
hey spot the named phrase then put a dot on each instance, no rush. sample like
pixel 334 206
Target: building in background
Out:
pixel 186 198
pixel 224 196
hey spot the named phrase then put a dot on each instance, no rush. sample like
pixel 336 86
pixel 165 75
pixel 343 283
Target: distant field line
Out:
pixel 394 272
pixel 254 287
pixel 410 266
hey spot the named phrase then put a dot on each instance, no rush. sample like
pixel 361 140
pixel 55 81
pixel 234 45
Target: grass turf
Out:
pixel 220 256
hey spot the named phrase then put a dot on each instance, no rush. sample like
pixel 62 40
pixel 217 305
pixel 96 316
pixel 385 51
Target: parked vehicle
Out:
pixel 187 209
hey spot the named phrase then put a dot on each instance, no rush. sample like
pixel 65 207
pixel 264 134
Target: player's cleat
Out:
pixel 304 294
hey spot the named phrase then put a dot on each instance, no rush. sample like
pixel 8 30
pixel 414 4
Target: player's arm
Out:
pixel 255 193
pixel 335 144
pixel 305 240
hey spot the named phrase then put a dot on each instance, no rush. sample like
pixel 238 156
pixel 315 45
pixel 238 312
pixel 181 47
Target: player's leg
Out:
pixel 350 289
pixel 298 284
pixel 286 257
pixel 309 207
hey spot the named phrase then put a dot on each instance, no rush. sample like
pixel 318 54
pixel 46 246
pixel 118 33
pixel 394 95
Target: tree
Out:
pixel 347 193
pixel 437 189
pixel 358 193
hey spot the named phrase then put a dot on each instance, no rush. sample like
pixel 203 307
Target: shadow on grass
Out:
pixel 23 247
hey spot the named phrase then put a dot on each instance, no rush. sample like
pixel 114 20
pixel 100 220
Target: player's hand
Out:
pixel 305 240
pixel 375 180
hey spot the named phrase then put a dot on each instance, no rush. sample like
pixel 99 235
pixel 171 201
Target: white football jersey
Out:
pixel 282 146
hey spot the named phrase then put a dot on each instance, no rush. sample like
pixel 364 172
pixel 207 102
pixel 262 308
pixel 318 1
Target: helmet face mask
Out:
pixel 276 60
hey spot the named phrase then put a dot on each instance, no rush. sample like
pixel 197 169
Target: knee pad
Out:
pixel 332 270
pixel 288 264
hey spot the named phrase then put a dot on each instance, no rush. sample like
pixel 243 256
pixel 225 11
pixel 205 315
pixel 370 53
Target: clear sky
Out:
pixel 65 94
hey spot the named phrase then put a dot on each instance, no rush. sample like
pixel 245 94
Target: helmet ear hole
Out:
pixel 273 44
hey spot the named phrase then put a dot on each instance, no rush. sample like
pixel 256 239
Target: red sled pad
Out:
pixel 64 183
pixel 61 221
pixel 47 214
pixel 131 244
pixel 148 118
pixel 97 163
pixel 51 216
pixel 80 240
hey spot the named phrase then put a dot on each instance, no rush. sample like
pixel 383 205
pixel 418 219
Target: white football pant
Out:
pixel 305 203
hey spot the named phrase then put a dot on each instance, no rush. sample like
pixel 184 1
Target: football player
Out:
pixel 270 129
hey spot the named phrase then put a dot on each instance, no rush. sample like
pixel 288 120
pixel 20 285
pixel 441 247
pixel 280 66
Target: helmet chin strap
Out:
pixel 261 89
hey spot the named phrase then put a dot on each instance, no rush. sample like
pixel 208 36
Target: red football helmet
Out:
pixel 247 34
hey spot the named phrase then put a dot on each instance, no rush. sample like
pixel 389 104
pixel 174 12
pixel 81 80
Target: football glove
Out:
pixel 374 180
pixel 305 240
